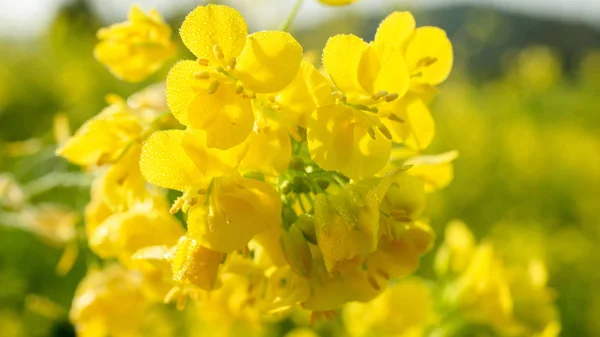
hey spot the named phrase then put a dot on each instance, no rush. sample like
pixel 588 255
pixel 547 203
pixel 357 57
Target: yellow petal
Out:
pixel 212 162
pixel 237 211
pixel 437 171
pixel 337 2
pixel 269 151
pixel 338 139
pixel 269 61
pixel 392 74
pixel 226 117
pixel 309 90
pixel 429 56
pixel 104 138
pixel 180 89
pixel 207 26
pixel 195 264
pixel 342 59
pixel 417 130
pixel 164 162
pixel 394 30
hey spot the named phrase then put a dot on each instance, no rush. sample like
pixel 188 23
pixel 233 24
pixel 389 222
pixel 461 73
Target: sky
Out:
pixel 29 18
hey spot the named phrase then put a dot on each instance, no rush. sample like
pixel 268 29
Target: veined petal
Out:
pixel 269 61
pixel 237 211
pixel 342 59
pixel 309 90
pixel 418 128
pixel 212 162
pixel 338 139
pixel 395 30
pixel 437 171
pixel 164 162
pixel 429 55
pixel 393 75
pixel 226 117
pixel 214 25
pixel 268 152
pixel 180 89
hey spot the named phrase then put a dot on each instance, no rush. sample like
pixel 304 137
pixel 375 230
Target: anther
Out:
pixel 426 62
pixel 385 131
pixel 239 89
pixel 218 53
pixel 213 86
pixel 383 273
pixel 373 283
pixel 396 118
pixel 203 61
pixel 202 75
pixel 379 95
pixel 371 132
pixel 391 97
pixel 231 65
pixel 177 205
pixel 374 109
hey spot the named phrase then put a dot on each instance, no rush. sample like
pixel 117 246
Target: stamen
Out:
pixel 373 283
pixel 202 75
pixel 239 89
pixel 396 118
pixel 385 131
pixel 213 86
pixel 371 132
pixel 177 205
pixel 374 109
pixel 203 61
pixel 218 52
pixel 379 95
pixel 231 65
pixel 391 97
pixel 383 273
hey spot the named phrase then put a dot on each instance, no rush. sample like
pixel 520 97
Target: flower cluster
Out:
pixel 299 187
pixel 477 290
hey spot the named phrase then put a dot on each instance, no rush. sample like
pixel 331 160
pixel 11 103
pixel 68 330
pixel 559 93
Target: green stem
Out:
pixel 292 16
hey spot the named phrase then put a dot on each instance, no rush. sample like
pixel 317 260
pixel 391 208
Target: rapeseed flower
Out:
pixel 135 49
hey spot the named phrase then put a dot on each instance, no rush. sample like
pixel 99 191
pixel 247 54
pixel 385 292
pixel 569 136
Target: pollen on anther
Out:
pixel 218 53
pixel 213 86
pixel 391 97
pixel 202 75
pixel 203 61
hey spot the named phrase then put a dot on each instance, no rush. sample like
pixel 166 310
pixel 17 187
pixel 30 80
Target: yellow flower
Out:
pixel 347 224
pixel 122 234
pixel 403 309
pixel 104 138
pixel 378 86
pixel 456 251
pixel 436 171
pixel 398 255
pixel 214 94
pixel 180 160
pixel 193 263
pixel 233 212
pixel 339 138
pixel 108 303
pixel 337 2
pixel 309 90
pixel 135 49
pixel 123 184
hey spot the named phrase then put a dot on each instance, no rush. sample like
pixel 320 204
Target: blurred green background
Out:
pixel 521 107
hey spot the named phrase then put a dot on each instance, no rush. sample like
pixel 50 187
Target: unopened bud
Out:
pixel 296 251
